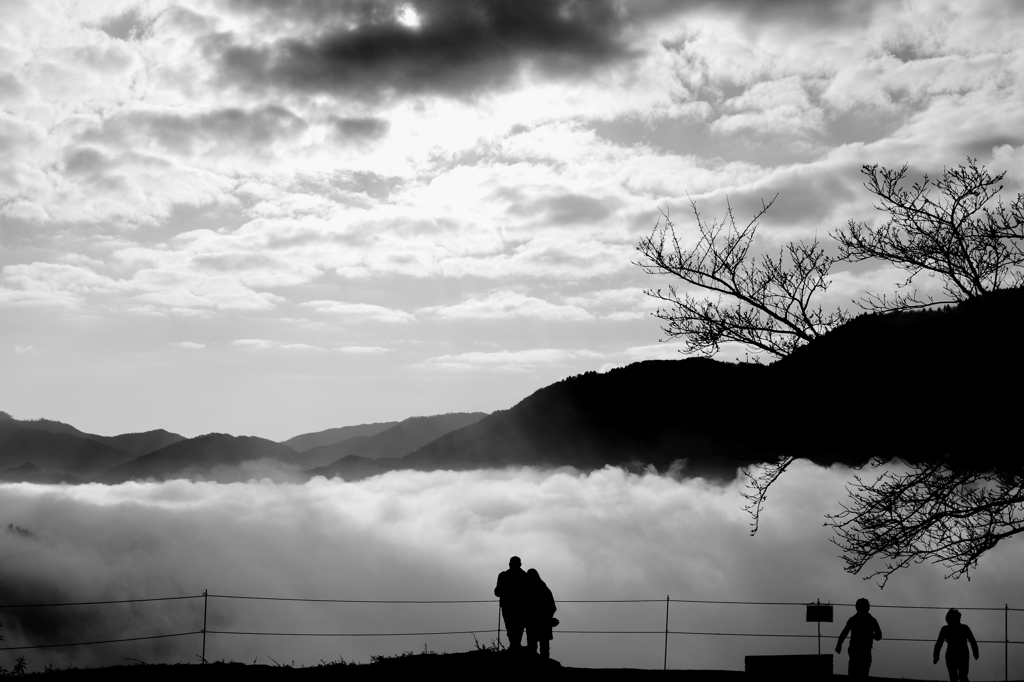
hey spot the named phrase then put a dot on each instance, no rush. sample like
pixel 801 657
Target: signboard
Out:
pixel 819 613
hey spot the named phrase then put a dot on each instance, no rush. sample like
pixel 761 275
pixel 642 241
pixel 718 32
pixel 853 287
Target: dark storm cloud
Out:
pixel 182 133
pixel 127 25
pixel 460 46
pixel 360 129
pixel 806 197
pixel 563 209
pixel 800 12
pixel 84 161
pixel 983 145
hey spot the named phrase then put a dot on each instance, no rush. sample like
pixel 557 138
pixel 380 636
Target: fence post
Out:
pixel 204 624
pixel 1006 642
pixel 665 661
pixel 819 629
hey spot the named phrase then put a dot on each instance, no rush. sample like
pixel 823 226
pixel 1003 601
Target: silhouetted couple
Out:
pixel 526 604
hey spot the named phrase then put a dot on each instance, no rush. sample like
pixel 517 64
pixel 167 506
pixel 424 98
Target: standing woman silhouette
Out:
pixel 540 611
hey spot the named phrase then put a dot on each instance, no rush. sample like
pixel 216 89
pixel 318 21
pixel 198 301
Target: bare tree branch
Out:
pixel 929 512
pixel 770 304
pixel 759 479
pixel 972 248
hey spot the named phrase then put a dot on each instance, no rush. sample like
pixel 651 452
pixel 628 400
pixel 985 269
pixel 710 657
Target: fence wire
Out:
pixel 482 631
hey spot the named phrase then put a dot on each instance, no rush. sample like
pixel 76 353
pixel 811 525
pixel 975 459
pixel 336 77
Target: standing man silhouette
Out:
pixel 510 592
pixel 956 635
pixel 864 631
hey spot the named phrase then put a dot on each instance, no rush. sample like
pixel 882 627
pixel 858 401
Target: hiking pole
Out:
pixel 204 624
pixel 499 625
pixel 665 661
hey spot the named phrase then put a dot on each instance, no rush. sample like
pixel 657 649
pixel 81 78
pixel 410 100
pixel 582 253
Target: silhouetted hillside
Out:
pixel 916 385
pixel 216 456
pixel 651 412
pixel 308 441
pixel 933 383
pixel 30 473
pixel 397 441
pixel 62 453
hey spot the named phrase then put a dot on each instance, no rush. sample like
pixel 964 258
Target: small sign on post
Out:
pixel 819 613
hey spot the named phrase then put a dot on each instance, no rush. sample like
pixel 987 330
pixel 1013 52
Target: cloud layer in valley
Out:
pixel 445 535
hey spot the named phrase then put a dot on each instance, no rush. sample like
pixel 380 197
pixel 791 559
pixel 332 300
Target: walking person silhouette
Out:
pixel 540 612
pixel 956 635
pixel 863 630
pixel 510 592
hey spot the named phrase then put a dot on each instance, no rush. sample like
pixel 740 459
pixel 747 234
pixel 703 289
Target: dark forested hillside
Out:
pixel 652 412
pixel 61 453
pixel 30 473
pixel 916 385
pixel 133 443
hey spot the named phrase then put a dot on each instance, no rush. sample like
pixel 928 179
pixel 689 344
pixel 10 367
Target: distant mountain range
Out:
pixel 308 441
pixel 46 451
pixel 916 385
pixel 397 441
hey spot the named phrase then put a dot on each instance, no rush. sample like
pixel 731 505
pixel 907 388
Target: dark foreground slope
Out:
pixel 483 666
pixel 216 456
pixel 919 385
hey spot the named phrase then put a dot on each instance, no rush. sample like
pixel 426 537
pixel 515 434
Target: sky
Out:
pixel 269 218
pixel 446 535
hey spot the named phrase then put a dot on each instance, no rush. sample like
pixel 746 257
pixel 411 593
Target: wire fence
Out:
pixel 666 632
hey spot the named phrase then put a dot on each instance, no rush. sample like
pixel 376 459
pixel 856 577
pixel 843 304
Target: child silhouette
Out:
pixel 956 635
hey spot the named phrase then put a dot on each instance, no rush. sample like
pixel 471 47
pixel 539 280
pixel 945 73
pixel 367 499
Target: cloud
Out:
pixel 128 25
pixel 265 344
pixel 219 130
pixel 363 350
pixel 360 311
pixel 360 129
pixel 458 47
pixel 506 304
pixel 190 345
pixel 509 361
pixel 445 535
pixel 779 107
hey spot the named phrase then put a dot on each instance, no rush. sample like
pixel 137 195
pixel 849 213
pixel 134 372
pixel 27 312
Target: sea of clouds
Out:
pixel 445 535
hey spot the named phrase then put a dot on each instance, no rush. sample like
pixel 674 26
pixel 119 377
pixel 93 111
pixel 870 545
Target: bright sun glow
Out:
pixel 408 17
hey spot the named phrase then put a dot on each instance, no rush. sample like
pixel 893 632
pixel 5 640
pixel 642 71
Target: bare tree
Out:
pixel 769 304
pixel 928 512
pixel 943 227
pixel 954 228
